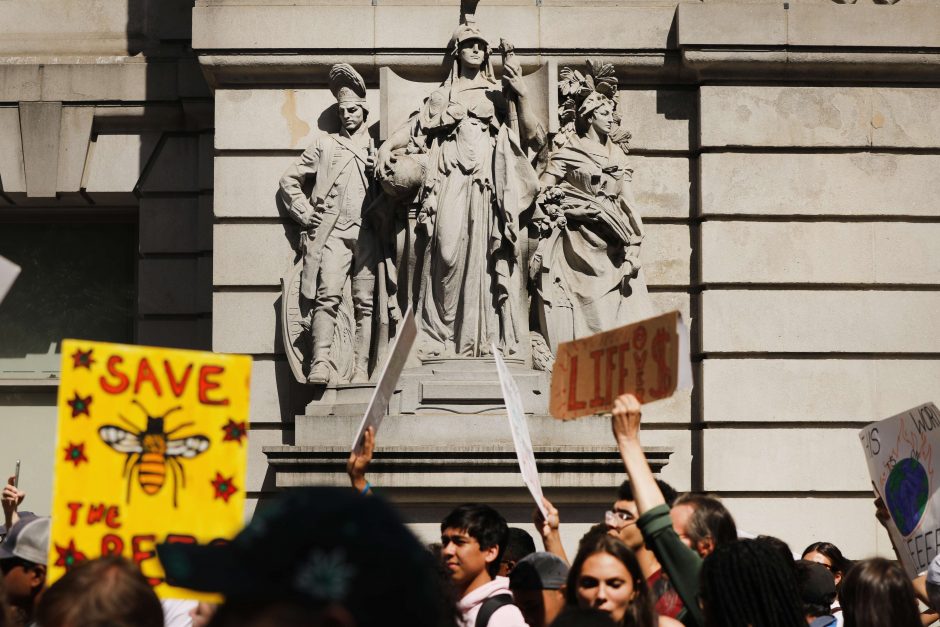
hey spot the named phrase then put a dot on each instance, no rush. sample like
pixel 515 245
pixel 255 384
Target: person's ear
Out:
pixel 37 576
pixel 490 554
pixel 705 547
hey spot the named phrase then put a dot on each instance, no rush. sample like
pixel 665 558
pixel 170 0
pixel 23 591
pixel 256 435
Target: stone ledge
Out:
pixel 723 40
pixel 458 466
pixel 424 27
pixel 853 26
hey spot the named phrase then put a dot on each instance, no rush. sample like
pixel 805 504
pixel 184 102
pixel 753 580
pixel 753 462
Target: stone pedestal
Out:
pixel 445 386
pixel 463 398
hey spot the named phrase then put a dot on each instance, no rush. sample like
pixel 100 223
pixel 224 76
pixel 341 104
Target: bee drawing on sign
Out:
pixel 151 451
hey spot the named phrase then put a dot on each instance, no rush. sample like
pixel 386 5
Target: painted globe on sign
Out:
pixel 906 494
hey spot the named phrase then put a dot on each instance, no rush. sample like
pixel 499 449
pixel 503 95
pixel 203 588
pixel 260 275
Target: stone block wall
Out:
pixel 783 170
pixel 819 278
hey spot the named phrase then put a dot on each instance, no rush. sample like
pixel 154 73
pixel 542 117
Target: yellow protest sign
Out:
pixel 152 448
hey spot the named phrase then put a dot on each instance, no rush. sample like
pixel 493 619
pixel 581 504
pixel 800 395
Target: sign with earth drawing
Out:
pixel 900 455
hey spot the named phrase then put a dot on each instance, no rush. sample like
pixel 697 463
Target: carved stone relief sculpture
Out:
pixel 507 229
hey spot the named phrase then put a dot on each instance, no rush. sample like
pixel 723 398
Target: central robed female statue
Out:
pixel 478 178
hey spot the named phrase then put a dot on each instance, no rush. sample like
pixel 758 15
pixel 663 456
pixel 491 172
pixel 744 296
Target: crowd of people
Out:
pixel 344 558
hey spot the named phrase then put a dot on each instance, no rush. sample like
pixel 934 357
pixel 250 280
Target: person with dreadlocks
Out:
pixel 747 583
pixel 587 264
pixel 478 179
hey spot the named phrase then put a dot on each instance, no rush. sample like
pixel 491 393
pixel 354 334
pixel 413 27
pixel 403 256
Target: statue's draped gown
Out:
pixel 478 180
pixel 583 276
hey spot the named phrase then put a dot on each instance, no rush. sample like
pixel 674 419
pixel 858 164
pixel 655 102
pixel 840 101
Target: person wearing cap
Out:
pixel 817 591
pixel 538 587
pixel 23 560
pixel 338 240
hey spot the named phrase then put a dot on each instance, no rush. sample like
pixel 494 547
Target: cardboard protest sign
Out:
pixel 520 431
pixel 152 448
pixel 8 273
pixel 649 359
pixel 899 452
pixel 391 371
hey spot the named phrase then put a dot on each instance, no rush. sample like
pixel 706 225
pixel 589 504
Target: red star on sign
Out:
pixel 224 488
pixel 80 405
pixel 69 556
pixel 75 453
pixel 234 431
pixel 82 359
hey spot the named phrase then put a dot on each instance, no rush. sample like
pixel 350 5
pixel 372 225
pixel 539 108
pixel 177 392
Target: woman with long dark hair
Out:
pixel 876 593
pixel 605 575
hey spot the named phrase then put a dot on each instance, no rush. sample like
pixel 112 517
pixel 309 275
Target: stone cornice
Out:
pixel 244 44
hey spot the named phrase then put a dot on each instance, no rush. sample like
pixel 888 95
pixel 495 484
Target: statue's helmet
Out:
pixel 468 31
pixel 347 85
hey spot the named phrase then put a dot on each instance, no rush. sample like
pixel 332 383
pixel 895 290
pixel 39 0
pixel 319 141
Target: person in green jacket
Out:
pixel 681 563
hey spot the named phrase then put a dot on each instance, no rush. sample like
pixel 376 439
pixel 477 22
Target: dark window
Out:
pixel 77 281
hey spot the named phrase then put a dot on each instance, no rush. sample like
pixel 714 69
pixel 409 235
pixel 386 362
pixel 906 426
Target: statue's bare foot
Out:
pixel 319 374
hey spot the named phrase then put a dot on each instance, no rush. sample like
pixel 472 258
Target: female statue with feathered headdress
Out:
pixel 587 263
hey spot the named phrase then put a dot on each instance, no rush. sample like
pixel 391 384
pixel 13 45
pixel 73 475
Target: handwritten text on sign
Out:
pixel 642 358
pixel 151 449
pixel 899 452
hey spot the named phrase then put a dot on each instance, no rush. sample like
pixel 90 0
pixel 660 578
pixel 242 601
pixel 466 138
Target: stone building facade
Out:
pixel 785 159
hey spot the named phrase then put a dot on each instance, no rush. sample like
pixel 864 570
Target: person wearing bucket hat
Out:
pixel 23 559
pixel 316 556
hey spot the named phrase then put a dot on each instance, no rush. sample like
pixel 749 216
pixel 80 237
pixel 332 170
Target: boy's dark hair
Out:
pixel 625 492
pixel 108 591
pixel 518 544
pixel 710 519
pixel 482 523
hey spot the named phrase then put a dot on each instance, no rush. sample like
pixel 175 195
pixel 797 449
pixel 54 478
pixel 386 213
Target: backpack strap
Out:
pixel 489 607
